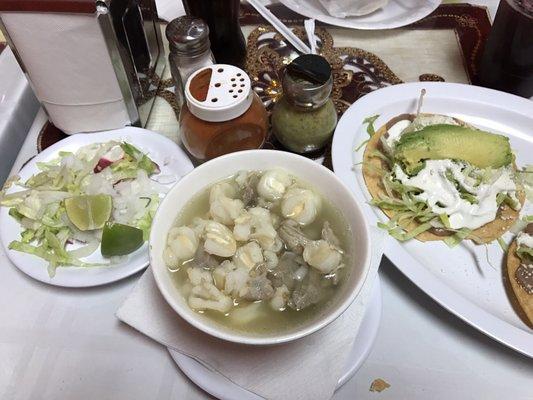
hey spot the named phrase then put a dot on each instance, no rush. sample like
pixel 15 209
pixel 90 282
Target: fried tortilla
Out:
pixel 372 165
pixel 524 299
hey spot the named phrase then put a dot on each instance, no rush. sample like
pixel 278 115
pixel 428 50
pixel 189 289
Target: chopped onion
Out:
pixel 164 179
pixel 85 251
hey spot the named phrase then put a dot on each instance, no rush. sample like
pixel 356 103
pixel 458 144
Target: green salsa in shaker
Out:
pixel 304 118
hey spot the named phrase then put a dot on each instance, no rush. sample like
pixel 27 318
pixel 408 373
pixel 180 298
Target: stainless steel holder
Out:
pixel 134 43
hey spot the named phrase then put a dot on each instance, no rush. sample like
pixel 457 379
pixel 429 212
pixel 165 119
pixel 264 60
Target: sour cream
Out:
pixel 394 133
pixel 423 120
pixel 442 196
pixel 524 240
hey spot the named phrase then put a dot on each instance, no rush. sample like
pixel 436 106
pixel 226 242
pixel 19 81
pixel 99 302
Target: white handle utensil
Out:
pixel 309 25
pixel 280 27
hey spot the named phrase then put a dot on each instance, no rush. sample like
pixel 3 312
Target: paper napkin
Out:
pixel 306 369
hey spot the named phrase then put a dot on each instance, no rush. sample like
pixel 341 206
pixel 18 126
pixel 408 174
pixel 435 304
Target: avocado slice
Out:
pixel 437 142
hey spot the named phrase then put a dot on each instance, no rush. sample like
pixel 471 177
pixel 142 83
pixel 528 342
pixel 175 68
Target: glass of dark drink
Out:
pixel 222 17
pixel 507 62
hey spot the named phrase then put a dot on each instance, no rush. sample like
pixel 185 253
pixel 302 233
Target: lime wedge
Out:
pixel 89 212
pixel 119 239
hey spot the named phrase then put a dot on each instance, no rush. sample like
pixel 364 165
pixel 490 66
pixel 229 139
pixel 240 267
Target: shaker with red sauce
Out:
pixel 222 114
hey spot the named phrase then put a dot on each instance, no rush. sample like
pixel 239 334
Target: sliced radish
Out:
pixel 114 154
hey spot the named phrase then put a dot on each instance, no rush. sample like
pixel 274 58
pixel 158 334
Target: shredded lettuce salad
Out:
pixel 114 168
pixel 408 207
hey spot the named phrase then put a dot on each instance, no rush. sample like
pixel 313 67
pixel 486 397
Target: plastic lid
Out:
pixel 219 92
pixel 188 35
pixel 307 81
pixel 311 67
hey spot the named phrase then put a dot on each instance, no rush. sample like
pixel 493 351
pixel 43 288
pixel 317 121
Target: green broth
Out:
pixel 268 320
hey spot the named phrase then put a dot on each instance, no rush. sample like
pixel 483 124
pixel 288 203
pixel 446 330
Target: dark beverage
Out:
pixel 507 62
pixel 222 17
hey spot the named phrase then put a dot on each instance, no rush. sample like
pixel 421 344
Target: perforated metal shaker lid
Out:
pixel 219 92
pixel 188 35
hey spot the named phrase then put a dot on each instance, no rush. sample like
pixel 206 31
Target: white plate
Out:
pixel 466 280
pixel 222 388
pixel 395 14
pixel 171 160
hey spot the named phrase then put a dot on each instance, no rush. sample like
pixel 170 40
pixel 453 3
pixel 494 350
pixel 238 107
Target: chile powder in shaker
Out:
pixel 222 113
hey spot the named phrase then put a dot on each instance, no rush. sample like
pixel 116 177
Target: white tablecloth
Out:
pixel 60 344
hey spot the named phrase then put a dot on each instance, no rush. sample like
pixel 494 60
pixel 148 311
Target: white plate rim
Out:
pixel 34 266
pixel 342 146
pixel 359 22
pixel 222 388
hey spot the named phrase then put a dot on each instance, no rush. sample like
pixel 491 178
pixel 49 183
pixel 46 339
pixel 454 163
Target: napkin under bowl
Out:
pixel 305 369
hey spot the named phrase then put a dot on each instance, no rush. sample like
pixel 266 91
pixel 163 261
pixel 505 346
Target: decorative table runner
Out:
pixel 444 46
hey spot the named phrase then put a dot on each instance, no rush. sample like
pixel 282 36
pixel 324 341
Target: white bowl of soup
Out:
pixel 259 247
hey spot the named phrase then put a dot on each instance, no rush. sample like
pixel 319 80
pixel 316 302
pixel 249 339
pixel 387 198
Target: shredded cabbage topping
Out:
pixel 525 253
pixel 370 129
pixel 114 168
pixel 526 179
pixel 408 207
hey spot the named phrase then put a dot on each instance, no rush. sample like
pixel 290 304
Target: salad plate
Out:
pixel 172 163
pixel 395 14
pixel 222 388
pixel 468 279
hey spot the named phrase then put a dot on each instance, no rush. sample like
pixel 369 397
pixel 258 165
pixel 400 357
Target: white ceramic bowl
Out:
pixel 321 178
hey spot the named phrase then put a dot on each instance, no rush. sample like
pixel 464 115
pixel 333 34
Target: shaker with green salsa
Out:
pixel 305 117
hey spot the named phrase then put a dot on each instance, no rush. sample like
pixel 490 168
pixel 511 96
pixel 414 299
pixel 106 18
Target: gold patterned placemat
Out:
pixel 357 71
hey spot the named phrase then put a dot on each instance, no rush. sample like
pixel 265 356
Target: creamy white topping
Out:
pixel 524 240
pixel 423 120
pixel 404 126
pixel 394 133
pixel 442 196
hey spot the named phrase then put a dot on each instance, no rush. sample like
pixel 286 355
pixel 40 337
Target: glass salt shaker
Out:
pixel 190 50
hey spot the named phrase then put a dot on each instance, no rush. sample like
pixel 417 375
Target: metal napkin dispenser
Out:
pixel 94 65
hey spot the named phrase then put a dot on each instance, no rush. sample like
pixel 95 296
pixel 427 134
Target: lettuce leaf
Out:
pixel 48 252
pixel 457 237
pixel 145 222
pixel 525 254
pixel 525 177
pixel 370 124
pixel 140 159
pixel 370 129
